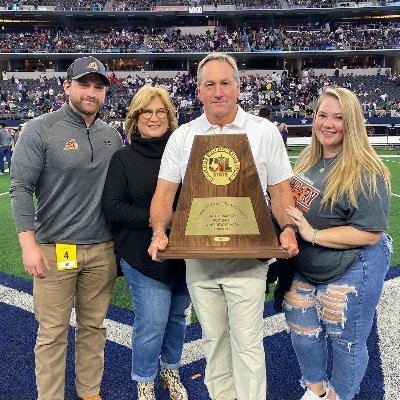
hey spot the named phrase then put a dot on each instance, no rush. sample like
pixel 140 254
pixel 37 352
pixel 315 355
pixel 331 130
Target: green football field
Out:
pixel 11 255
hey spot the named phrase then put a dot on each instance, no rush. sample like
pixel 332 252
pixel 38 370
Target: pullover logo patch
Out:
pixel 71 145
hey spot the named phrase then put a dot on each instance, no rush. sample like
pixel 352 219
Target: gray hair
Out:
pixel 223 57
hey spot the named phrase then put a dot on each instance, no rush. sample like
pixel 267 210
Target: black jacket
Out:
pixel 130 185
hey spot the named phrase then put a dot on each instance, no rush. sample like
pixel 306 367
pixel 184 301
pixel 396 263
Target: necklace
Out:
pixel 327 164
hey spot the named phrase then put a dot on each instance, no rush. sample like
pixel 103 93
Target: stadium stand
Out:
pixel 288 52
pixel 287 38
pixel 289 95
pixel 382 35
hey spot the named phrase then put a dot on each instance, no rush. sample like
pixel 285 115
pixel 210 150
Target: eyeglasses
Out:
pixel 161 113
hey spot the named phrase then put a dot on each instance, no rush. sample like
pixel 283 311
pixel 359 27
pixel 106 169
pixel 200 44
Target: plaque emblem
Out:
pixel 220 165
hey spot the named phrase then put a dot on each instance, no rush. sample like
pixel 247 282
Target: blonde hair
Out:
pixel 358 165
pixel 141 99
pixel 283 126
pixel 216 56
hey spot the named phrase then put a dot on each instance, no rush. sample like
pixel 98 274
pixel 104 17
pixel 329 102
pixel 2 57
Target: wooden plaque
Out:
pixel 222 211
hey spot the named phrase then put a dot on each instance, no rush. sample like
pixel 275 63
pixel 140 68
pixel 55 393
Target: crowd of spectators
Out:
pixel 132 5
pixel 148 5
pixel 84 5
pixel 172 40
pixel 79 5
pixel 286 94
pixel 311 3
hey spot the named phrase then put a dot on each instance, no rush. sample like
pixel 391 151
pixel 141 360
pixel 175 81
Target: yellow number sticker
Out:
pixel 66 256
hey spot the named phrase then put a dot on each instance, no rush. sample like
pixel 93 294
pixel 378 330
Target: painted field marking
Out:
pixel 388 315
pixel 387 325
pixel 121 333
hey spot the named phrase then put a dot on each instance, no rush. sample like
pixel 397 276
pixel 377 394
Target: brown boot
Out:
pixel 93 397
pixel 145 391
pixel 170 379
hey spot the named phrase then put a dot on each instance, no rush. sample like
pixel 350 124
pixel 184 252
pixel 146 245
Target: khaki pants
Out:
pixel 228 297
pixel 88 288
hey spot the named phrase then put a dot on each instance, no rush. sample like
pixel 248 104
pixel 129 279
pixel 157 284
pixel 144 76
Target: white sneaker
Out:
pixel 309 395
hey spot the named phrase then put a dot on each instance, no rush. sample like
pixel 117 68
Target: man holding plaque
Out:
pixel 227 294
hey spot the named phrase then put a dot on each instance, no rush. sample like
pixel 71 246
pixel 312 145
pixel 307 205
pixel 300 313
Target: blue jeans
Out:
pixel 5 151
pixel 344 311
pixel 160 323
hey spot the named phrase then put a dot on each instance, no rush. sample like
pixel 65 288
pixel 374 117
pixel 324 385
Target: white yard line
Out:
pixel 121 333
pixel 388 315
pixel 2 194
pixel 388 329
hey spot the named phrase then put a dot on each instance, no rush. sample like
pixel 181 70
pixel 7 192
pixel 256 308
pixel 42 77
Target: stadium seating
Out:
pixel 164 35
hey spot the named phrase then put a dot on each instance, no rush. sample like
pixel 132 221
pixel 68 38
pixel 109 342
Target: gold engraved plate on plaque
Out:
pixel 220 165
pixel 222 216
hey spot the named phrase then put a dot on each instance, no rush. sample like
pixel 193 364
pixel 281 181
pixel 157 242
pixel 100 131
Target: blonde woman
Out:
pixel 283 129
pixel 159 293
pixel 342 192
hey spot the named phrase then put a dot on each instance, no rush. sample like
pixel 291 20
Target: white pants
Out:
pixel 228 297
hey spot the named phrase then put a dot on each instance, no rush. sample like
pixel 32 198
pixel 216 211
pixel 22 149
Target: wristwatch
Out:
pixel 292 226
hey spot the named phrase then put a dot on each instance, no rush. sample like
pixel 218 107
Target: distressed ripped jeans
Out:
pixel 344 311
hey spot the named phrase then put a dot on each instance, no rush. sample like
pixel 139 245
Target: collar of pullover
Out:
pixel 151 148
pixel 74 116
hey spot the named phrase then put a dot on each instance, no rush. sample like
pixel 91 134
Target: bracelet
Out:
pixel 314 236
pixel 157 232
pixel 292 226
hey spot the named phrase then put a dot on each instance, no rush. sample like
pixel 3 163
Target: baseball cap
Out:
pixel 87 65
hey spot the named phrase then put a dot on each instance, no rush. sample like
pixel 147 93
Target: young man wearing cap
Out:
pixel 66 242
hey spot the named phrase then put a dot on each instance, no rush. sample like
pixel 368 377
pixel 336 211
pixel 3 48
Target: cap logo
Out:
pixel 93 65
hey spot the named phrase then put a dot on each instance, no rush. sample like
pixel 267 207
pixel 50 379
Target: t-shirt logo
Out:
pixel 71 145
pixel 303 192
